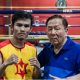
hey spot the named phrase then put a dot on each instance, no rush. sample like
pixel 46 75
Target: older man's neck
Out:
pixel 58 47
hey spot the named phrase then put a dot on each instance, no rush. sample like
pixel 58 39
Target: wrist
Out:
pixel 5 64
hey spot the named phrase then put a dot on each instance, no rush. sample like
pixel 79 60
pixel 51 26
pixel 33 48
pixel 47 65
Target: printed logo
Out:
pixel 21 68
pixel 65 58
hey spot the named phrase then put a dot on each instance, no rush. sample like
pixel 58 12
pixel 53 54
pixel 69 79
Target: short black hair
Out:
pixel 22 15
pixel 64 20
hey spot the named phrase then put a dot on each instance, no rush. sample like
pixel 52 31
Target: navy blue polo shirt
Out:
pixel 64 64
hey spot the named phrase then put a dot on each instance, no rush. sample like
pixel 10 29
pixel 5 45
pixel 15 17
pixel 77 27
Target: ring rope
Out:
pixel 46 7
pixel 39 37
pixel 42 11
pixel 66 16
pixel 34 25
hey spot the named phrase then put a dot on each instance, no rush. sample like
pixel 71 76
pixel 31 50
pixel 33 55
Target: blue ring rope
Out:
pixel 42 11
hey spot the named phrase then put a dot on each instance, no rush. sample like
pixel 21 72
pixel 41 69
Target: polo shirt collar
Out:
pixel 66 45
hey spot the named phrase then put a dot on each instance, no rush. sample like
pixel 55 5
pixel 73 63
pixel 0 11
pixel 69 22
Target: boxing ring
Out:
pixel 42 37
